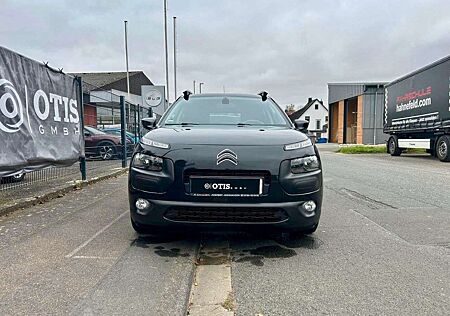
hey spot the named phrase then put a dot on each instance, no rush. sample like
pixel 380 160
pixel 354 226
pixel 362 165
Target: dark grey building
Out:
pixel 356 113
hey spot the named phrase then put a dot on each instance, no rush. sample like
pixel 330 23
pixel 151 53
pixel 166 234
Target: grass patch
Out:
pixel 229 302
pixel 416 151
pixel 362 149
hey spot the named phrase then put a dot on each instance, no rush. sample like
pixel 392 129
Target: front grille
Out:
pixel 228 173
pixel 226 215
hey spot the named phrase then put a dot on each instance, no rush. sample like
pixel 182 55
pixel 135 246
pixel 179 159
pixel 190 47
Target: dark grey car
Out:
pixel 221 161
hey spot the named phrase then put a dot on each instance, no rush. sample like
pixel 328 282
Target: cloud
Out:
pixel 289 48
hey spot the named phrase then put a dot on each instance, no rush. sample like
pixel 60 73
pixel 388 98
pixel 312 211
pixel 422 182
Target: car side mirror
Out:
pixel 301 125
pixel 149 123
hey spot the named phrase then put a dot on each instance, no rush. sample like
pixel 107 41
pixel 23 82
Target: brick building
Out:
pixel 356 113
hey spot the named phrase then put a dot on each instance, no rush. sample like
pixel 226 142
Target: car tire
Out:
pixel 296 234
pixel 106 150
pixel 139 228
pixel 443 148
pixel 393 148
pixel 311 230
pixel 18 177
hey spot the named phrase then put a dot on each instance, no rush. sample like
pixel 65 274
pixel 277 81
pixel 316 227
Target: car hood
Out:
pixel 232 136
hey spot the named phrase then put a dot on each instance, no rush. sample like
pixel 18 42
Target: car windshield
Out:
pixel 225 110
pixel 93 130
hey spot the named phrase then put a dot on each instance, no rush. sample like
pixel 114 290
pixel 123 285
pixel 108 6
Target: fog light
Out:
pixel 309 206
pixel 142 204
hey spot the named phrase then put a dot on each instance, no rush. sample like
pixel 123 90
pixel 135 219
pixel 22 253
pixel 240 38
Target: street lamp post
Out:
pixel 175 56
pixel 167 54
pixel 128 72
pixel 126 59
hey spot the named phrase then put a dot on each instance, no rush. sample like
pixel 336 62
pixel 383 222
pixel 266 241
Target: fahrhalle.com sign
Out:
pixel 40 116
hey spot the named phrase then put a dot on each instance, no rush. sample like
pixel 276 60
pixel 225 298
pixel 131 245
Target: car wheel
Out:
pixel 309 231
pixel 393 148
pixel 18 177
pixel 300 233
pixel 443 148
pixel 106 150
pixel 140 229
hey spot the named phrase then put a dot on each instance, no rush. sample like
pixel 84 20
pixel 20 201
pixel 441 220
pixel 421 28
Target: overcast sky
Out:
pixel 289 48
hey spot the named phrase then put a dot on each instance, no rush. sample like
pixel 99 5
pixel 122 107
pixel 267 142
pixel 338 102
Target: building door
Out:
pixel 333 123
pixel 350 121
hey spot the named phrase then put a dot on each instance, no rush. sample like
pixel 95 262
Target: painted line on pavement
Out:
pixel 93 257
pixel 70 255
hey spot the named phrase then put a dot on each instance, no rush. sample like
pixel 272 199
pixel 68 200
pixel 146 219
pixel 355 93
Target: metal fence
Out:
pixel 106 116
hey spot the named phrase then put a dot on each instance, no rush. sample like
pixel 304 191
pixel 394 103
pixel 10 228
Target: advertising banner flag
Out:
pixel 40 115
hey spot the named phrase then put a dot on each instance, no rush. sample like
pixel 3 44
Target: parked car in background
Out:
pixel 117 132
pixel 15 178
pixel 101 145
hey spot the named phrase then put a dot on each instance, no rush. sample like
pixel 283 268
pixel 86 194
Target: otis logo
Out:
pixel 218 186
pixel 51 110
pixel 10 107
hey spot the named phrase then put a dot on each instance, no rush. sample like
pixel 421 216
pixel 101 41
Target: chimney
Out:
pixel 309 100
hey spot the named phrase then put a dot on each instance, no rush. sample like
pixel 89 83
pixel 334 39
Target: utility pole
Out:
pixel 375 117
pixel 200 87
pixel 167 54
pixel 126 59
pixel 175 56
pixel 194 86
pixel 126 62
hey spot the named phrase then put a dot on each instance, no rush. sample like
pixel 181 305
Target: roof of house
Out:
pixel 297 114
pixel 93 81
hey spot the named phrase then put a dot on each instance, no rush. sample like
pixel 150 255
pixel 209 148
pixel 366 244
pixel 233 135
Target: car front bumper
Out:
pixel 178 210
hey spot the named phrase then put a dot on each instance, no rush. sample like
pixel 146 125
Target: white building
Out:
pixel 317 114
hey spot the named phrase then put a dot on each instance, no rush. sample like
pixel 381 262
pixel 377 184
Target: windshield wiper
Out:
pixel 183 124
pixel 243 124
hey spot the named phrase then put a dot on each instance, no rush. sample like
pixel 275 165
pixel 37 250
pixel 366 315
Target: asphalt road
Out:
pixel 383 247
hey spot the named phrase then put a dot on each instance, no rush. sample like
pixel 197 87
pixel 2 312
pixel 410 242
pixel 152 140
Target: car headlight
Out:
pixel 299 145
pixel 152 143
pixel 305 164
pixel 147 162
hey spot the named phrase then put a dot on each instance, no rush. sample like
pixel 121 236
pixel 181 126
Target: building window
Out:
pixel 307 118
pixel 318 125
pixel 316 106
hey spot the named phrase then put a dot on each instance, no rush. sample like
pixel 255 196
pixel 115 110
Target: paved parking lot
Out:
pixel 383 247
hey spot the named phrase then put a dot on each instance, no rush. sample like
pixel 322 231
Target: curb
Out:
pixel 211 292
pixel 79 184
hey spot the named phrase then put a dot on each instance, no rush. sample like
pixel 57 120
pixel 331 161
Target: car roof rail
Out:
pixel 263 95
pixel 186 94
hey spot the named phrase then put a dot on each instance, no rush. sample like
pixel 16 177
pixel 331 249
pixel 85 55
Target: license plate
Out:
pixel 226 186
